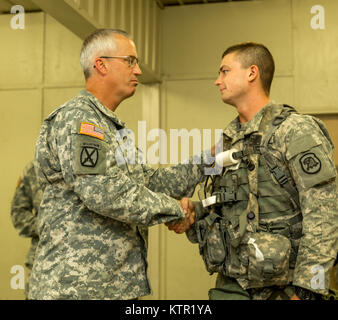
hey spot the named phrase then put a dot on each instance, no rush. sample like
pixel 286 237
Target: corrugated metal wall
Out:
pixel 140 18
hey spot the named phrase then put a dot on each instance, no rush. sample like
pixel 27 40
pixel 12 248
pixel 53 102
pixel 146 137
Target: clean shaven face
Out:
pixel 232 79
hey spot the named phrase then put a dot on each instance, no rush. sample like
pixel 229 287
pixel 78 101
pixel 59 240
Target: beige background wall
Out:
pixel 40 70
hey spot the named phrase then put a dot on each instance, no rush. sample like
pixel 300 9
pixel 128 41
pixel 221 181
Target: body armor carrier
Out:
pixel 252 230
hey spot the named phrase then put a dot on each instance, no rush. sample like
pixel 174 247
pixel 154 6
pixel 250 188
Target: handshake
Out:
pixel 184 225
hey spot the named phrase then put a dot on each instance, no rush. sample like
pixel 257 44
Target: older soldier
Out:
pixel 24 208
pixel 269 228
pixel 99 200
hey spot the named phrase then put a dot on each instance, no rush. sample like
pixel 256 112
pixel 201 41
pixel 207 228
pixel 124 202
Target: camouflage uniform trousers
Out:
pixel 228 289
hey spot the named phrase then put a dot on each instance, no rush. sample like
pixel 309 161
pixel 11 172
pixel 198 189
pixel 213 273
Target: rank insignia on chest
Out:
pixel 91 130
pixel 310 163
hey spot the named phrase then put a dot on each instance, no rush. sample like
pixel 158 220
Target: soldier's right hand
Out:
pixel 184 225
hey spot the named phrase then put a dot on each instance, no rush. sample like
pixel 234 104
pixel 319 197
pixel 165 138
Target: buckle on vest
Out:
pixel 222 197
pixel 279 175
pixel 238 155
pixel 268 269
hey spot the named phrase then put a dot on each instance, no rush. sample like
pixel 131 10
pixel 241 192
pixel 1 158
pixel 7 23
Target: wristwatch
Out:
pixel 304 294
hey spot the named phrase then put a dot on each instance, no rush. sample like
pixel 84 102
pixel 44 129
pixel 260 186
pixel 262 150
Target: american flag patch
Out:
pixel 91 130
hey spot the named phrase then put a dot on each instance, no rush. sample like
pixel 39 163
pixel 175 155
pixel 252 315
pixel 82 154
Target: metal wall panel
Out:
pixel 140 18
pixel 316 55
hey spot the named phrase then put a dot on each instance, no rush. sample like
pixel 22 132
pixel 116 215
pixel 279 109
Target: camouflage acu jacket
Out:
pixel 24 208
pixel 97 206
pixel 305 153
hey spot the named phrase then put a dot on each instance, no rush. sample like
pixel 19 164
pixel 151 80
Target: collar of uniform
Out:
pixel 253 125
pixel 102 108
pixel 232 131
pixel 237 130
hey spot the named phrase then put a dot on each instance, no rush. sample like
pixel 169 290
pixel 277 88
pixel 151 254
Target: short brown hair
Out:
pixel 252 53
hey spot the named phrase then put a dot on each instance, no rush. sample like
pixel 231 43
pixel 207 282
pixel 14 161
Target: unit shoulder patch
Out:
pixel 310 163
pixel 89 156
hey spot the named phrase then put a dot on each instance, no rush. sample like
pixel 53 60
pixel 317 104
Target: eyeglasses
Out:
pixel 132 60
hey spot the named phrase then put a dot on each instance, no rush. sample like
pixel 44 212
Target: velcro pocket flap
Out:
pixel 300 145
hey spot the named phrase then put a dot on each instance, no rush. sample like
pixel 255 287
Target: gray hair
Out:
pixel 97 44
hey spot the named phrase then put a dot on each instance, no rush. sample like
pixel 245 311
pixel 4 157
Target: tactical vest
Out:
pixel 253 230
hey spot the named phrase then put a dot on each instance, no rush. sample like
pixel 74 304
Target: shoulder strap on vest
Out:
pixel 270 122
pixel 272 119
